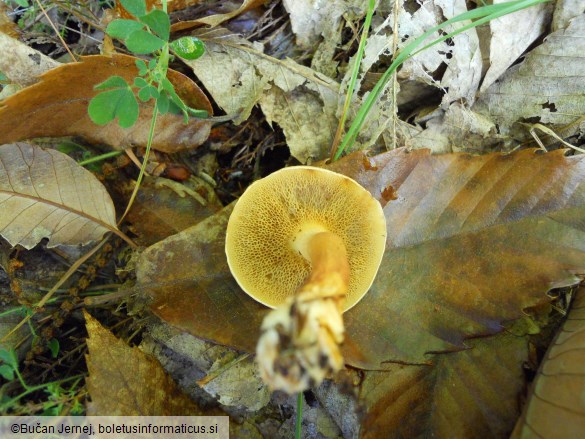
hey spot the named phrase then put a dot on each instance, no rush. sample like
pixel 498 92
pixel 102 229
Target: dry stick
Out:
pixel 60 282
pixel 56 31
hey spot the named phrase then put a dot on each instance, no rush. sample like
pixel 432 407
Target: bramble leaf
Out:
pixel 158 21
pixel 122 28
pixel 135 7
pixel 142 42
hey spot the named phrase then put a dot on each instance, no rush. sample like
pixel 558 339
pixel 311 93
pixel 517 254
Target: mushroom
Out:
pixel 308 242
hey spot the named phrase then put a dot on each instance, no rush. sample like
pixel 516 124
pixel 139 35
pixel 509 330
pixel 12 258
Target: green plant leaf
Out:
pixel 122 28
pixel 135 7
pixel 22 3
pixel 9 357
pixel 108 105
pixel 140 82
pixel 163 103
pixel 158 21
pixel 144 94
pixel 142 42
pixel 152 64
pixel 141 65
pixel 54 347
pixel 112 82
pixel 188 47
pixel 7 372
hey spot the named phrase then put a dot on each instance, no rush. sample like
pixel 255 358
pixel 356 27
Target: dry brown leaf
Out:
pixel 472 242
pixel 123 381
pixel 217 19
pixel 46 194
pixel 468 394
pixel 545 87
pixel 7 26
pixel 22 64
pixel 57 106
pixel 159 212
pixel 238 76
pixel 556 408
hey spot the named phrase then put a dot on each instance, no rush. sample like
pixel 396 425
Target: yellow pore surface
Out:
pixel 273 211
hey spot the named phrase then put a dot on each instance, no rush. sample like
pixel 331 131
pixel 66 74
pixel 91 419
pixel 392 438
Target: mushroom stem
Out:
pixel 299 344
pixel 330 269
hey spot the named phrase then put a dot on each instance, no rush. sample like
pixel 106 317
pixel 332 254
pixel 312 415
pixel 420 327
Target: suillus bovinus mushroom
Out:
pixel 307 242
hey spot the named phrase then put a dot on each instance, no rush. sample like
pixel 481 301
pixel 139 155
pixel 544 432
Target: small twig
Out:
pixel 56 31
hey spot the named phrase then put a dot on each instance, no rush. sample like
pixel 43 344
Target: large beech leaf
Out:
pixel 124 381
pixel 57 106
pixel 468 394
pixel 556 407
pixel 46 194
pixel 472 242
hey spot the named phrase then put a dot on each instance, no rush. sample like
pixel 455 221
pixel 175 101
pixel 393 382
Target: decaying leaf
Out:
pixel 217 19
pixel 472 242
pixel 510 37
pixel 123 381
pixel 22 64
pixel 301 101
pixel 46 194
pixel 159 212
pixel 468 394
pixel 556 408
pixel 57 106
pixel 547 85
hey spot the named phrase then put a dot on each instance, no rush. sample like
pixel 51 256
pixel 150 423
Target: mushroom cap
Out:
pixel 268 217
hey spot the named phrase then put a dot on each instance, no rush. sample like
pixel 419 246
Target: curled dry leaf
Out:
pixel 472 242
pixel 547 85
pixel 217 19
pixel 124 381
pixel 301 101
pixel 22 64
pixel 46 194
pixel 556 407
pixel 57 106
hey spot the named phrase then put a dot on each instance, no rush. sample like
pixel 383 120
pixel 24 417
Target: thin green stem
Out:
pixel 354 74
pixel 32 389
pixel 299 423
pixel 478 16
pixel 101 157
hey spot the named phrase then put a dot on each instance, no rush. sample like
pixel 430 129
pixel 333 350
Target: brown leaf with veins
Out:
pixel 468 394
pixel 556 407
pixel 472 242
pixel 57 104
pixel 124 381
pixel 46 194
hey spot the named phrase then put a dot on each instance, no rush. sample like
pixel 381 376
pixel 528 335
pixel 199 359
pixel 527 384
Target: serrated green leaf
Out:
pixel 7 372
pixel 112 82
pixel 122 28
pixel 135 7
pixel 158 21
pixel 142 42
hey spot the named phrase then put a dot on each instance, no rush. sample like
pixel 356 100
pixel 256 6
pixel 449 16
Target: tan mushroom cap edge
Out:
pixel 277 212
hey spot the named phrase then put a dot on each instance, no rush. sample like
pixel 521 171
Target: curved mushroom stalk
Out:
pixel 299 344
